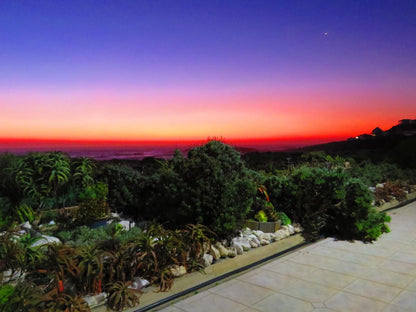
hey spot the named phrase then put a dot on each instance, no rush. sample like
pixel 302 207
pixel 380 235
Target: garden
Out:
pixel 77 232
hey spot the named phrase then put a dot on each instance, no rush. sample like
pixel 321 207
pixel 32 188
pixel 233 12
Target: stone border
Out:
pixel 396 204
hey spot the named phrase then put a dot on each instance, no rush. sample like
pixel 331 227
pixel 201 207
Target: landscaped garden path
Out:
pixel 329 275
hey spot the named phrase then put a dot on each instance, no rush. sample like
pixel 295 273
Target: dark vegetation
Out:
pixel 191 202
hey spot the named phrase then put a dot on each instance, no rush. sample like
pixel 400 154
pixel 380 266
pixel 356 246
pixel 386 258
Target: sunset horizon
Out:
pixel 244 72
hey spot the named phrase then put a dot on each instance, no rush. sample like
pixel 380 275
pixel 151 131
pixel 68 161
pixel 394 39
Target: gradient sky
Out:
pixel 182 70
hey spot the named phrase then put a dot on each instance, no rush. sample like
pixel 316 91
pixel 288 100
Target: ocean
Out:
pixel 119 150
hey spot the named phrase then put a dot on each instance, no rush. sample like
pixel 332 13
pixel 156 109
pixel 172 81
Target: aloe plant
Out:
pixel 65 303
pixel 91 266
pixel 121 296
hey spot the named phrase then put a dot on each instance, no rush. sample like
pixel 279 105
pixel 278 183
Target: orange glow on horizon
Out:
pixel 177 116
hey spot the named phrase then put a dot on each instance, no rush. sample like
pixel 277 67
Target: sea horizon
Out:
pixel 140 150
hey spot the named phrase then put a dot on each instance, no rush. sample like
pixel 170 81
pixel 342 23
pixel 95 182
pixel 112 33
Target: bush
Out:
pixel 327 202
pixel 373 226
pixel 215 189
pixel 284 218
pixel 93 203
pixel 126 188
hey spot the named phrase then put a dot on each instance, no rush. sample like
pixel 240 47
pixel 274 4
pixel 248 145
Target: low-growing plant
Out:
pixel 284 218
pixel 121 296
pixel 61 302
pixel 48 216
pixel 66 236
pixel 24 296
pixel 25 213
pixel 261 216
pixel 390 189
pixel 373 226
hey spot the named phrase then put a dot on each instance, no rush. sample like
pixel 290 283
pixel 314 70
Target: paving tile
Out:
pixel 281 302
pixel 399 267
pixel 373 290
pixel 245 293
pixel 343 301
pixel 329 278
pixel 412 286
pixel 195 298
pixel 331 264
pixel 389 243
pixel 406 299
pixel 360 247
pixel 290 268
pixel 250 310
pixel 308 291
pixel 226 284
pixel 209 303
pixel 395 308
pixel 344 255
pixel 171 308
pixel 268 279
pixel 404 257
pixel 387 277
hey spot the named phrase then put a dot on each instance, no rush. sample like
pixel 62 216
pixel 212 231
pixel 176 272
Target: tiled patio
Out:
pixel 327 276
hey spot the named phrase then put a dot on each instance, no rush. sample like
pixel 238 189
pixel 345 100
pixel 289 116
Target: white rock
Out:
pixel 246 231
pixel 91 301
pixel 26 225
pixel 207 260
pixel 258 233
pixel 291 229
pixel 242 241
pixel 237 247
pixel 96 299
pixel 178 270
pixel 139 283
pixel 380 185
pixel 266 236
pixel 206 247
pixel 232 252
pixel 45 239
pixel 114 215
pixel 264 242
pixel 223 251
pixel 281 234
pixel 297 228
pixel 285 228
pixel 127 225
pixel 253 244
pixel 215 253
pixel 254 239
pixel 51 222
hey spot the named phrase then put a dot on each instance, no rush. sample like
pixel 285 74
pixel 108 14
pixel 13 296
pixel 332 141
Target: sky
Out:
pixel 306 71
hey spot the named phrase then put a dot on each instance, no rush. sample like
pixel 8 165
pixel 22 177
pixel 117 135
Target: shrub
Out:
pixel 327 202
pixel 373 226
pixel 93 203
pixel 284 218
pixel 215 189
pixel 126 188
